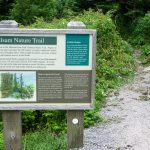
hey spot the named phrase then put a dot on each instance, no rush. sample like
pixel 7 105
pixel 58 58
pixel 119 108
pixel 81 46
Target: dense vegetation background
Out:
pixel 122 26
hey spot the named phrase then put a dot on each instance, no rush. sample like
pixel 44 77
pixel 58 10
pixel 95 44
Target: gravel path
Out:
pixel 127 115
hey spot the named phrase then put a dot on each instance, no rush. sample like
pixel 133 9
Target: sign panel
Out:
pixel 46 68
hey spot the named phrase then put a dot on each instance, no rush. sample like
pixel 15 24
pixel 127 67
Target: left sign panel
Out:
pixel 28 52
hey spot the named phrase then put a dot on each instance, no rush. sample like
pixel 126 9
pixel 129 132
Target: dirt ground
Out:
pixel 127 118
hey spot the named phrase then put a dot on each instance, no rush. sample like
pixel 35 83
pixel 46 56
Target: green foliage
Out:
pixel 114 63
pixel 140 37
pixel 5 6
pixel 1 141
pixel 141 31
pixel 27 11
pixel 127 14
pixel 40 140
pixel 146 49
pixel 145 57
pixel 86 4
pixel 91 117
pixel 55 121
pixel 64 8
pixel 29 122
pixel 43 140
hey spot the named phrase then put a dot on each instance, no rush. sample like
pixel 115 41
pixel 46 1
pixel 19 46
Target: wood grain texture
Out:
pixel 75 131
pixel 11 118
pixel 12 130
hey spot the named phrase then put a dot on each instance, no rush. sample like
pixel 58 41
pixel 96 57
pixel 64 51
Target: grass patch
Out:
pixel 41 140
pixel 44 140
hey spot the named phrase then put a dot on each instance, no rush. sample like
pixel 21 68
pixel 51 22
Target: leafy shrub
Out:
pixel 140 37
pixel 5 6
pixel 140 34
pixel 146 49
pixel 27 11
pixel 55 121
pixel 114 63
pixel 145 57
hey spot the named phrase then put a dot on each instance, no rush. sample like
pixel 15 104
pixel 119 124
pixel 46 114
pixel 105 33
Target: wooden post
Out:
pixel 11 118
pixel 75 128
pixel 12 129
pixel 75 118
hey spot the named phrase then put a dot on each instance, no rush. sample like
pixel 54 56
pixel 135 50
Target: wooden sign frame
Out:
pixel 53 106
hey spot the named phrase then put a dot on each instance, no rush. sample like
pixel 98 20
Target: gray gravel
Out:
pixel 127 118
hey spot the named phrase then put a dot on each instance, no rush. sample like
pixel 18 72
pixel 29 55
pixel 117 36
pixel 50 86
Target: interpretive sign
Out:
pixel 47 69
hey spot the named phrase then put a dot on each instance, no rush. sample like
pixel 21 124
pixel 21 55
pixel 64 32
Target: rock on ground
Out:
pixel 127 118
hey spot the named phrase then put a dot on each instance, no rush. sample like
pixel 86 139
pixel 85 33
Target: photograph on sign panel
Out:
pixel 17 86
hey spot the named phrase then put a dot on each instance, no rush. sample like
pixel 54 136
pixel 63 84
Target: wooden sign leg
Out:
pixel 12 130
pixel 75 128
pixel 11 119
pixel 75 118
